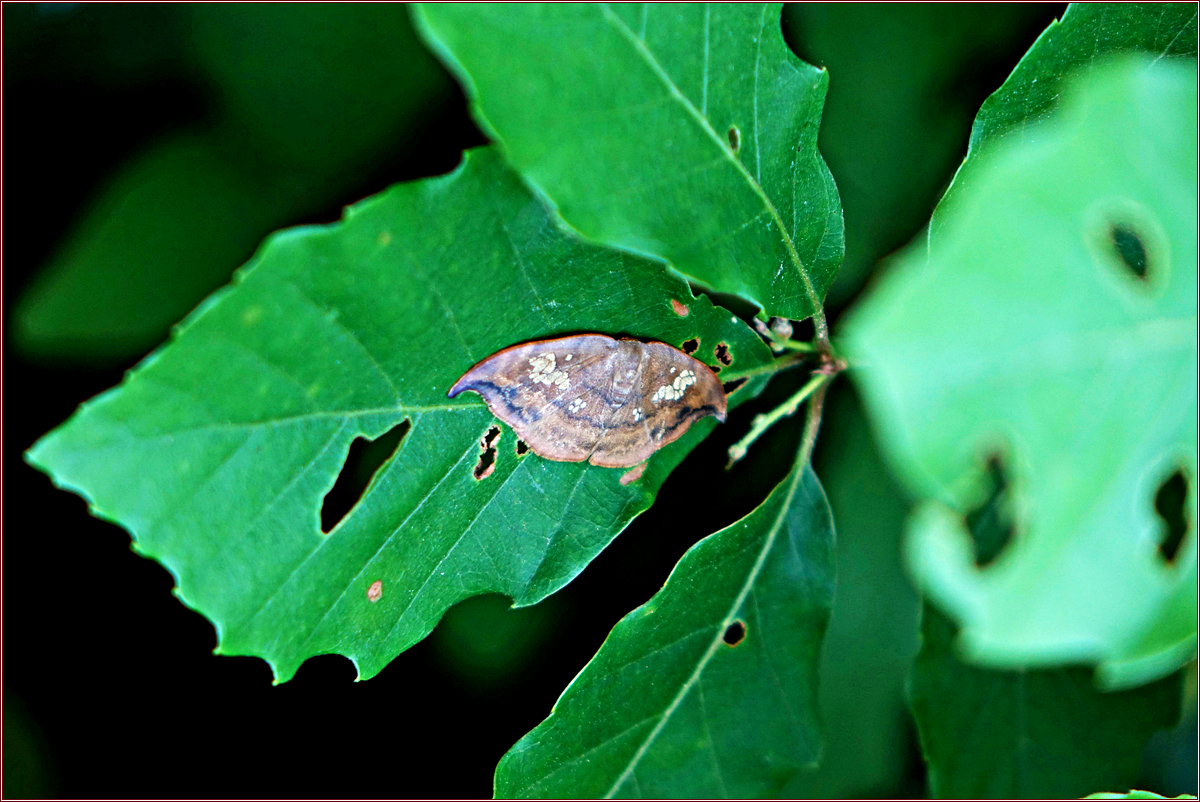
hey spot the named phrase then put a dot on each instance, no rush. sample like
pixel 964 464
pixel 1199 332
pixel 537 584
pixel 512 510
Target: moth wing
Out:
pixel 674 391
pixel 570 427
pixel 627 440
pixel 543 391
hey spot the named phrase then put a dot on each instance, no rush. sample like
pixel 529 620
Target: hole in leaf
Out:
pixel 490 436
pixel 988 524
pixel 522 449
pixel 733 386
pixel 735 138
pixel 1130 248
pixel 1168 503
pixel 734 634
pixel 363 462
pixel 691 346
pixel 721 352
pixel 487 454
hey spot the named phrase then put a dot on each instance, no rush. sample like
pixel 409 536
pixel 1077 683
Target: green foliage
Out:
pixel 708 689
pixel 1136 795
pixel 897 116
pixel 1024 734
pixel 872 633
pixel 686 132
pixel 1028 356
pixel 1086 35
pixel 216 452
pixel 106 295
pixel 309 98
pixel 1030 371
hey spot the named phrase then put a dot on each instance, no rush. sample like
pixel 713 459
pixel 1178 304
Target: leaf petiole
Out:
pixel 794 345
pixel 765 421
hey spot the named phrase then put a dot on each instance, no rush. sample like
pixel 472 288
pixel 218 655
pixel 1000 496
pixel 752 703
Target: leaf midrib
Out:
pixel 702 663
pixel 644 52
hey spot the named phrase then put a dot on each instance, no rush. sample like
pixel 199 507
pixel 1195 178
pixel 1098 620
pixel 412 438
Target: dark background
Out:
pixel 148 149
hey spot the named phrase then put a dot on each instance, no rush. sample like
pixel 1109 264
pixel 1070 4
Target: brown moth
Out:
pixel 592 397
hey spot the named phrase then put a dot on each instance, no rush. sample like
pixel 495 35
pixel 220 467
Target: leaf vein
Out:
pixel 453 547
pixel 772 533
pixel 305 469
pixel 332 318
pixel 640 47
pixel 367 564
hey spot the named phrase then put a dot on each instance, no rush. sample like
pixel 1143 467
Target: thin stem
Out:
pixel 771 368
pixel 822 328
pixel 763 422
pixel 796 345
pixel 813 423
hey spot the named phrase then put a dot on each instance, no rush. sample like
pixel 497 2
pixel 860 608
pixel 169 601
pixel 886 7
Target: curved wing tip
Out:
pixel 463 384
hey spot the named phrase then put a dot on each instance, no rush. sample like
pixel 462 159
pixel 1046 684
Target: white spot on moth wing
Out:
pixel 544 372
pixel 675 390
pixel 637 413
pixel 568 357
pixel 576 405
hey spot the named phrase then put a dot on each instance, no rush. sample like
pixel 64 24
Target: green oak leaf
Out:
pixel 683 131
pixel 1087 33
pixel 1024 334
pixel 216 452
pixel 708 689
pixel 1028 734
pixel 872 636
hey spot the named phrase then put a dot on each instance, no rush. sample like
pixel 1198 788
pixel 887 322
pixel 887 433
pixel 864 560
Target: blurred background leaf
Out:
pixel 28 772
pixel 905 83
pixel 144 253
pixel 1025 733
pixel 300 107
pixel 1087 35
pixel 1026 365
pixel 869 742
